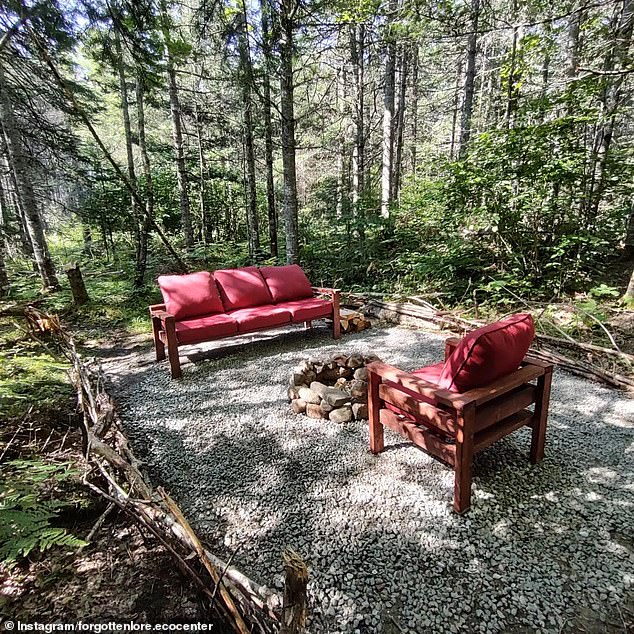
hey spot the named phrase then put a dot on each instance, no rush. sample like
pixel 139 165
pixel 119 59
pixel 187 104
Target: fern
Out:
pixel 26 511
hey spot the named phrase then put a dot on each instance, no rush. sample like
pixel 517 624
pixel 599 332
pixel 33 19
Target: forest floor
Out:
pixel 121 574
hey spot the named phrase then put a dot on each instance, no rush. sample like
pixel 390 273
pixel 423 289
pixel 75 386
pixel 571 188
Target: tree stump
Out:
pixel 77 286
pixel 294 608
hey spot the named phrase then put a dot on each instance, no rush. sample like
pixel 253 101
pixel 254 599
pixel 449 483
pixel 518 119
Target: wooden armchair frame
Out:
pixel 164 329
pixel 453 426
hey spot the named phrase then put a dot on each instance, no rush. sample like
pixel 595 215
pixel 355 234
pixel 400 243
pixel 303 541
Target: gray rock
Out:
pixel 360 411
pixel 335 397
pixel 341 414
pixel 361 374
pixel 292 392
pixel 326 407
pixel 354 361
pixel 358 389
pixel 298 405
pixel 309 395
pixel 297 379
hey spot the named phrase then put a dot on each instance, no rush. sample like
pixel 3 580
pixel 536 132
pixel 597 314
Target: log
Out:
pixel 247 605
pixel 452 322
pixel 352 320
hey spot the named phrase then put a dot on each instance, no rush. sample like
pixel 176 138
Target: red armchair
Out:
pixel 455 409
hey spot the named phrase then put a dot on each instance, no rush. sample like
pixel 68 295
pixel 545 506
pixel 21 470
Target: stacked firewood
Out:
pixel 353 321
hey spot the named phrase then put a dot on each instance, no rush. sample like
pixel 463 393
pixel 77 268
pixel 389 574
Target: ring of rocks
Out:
pixel 333 388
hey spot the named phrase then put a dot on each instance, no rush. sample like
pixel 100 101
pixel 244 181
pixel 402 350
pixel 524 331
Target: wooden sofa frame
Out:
pixel 164 329
pixel 457 426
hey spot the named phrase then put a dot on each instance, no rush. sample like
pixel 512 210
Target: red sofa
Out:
pixel 206 306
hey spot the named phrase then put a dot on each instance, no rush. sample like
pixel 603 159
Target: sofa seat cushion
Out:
pixel 260 317
pixel 190 295
pixel 489 353
pixel 307 309
pixel 286 283
pixel 242 288
pixel 205 328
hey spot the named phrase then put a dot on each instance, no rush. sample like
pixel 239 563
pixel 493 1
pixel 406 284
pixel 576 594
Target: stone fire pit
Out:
pixel 335 387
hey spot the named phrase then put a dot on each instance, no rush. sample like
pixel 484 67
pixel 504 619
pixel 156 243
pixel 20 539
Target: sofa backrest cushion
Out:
pixel 489 353
pixel 190 295
pixel 242 288
pixel 286 283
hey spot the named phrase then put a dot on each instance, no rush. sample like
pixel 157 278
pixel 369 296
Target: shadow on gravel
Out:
pixel 545 547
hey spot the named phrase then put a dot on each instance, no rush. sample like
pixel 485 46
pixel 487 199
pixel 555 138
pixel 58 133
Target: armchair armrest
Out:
pixel 414 383
pixel 157 311
pixel 450 345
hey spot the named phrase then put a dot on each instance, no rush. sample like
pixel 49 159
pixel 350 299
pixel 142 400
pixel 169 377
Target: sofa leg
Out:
pixel 540 416
pixel 336 319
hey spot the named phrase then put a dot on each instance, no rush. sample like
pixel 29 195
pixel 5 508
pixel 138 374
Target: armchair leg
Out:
pixel 463 461
pixel 172 349
pixel 374 406
pixel 159 346
pixel 308 325
pixel 540 416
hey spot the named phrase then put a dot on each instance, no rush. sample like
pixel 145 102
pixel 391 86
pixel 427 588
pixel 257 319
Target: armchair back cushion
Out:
pixel 489 353
pixel 242 288
pixel 286 283
pixel 190 295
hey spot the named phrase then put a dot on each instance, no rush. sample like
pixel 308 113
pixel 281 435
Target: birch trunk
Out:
pixel 469 82
pixel 19 163
pixel 414 109
pixel 288 10
pixel 357 57
pixel 125 113
pixel 388 114
pixel 146 225
pixel 246 73
pixel 177 131
pixel 268 127
pixel 456 106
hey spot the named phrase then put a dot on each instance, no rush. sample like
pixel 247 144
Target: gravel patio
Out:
pixel 545 548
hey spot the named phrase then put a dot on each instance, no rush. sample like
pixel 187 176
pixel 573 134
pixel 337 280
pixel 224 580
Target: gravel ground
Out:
pixel 545 548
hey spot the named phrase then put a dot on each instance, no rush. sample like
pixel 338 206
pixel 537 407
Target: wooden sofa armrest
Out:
pixel 319 290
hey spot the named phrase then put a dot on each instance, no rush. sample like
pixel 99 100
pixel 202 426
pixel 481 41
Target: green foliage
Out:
pixel 28 509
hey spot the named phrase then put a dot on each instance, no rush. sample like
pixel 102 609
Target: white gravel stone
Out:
pixel 541 546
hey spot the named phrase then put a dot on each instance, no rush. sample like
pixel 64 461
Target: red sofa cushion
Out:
pixel 286 283
pixel 190 295
pixel 307 309
pixel 489 353
pixel 260 317
pixel 242 288
pixel 205 328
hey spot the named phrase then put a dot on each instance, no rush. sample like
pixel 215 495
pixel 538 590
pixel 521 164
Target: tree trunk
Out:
pixel 341 142
pixel 268 127
pixel 77 286
pixel 511 92
pixel 456 106
pixel 144 229
pixel 628 298
pixel 177 132
pixel 469 82
pixel 388 114
pixel 357 57
pixel 572 44
pixel 246 79
pixel 288 9
pixel 414 109
pixel 400 126
pixel 19 163
pixel 4 278
pixel 202 174
pixel 125 112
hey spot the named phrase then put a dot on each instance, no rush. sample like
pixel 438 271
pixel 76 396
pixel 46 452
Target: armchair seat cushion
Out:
pixel 190 295
pixel 258 317
pixel 286 283
pixel 242 288
pixel 431 374
pixel 307 309
pixel 489 353
pixel 205 328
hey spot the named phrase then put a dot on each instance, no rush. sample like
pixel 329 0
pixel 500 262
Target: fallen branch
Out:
pixel 247 605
